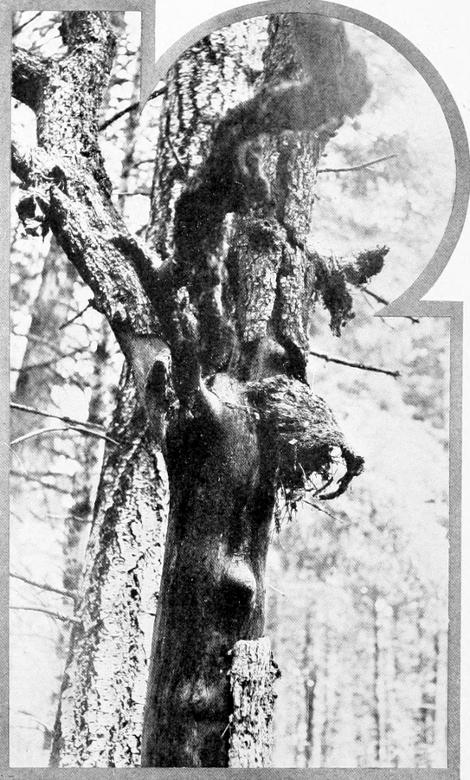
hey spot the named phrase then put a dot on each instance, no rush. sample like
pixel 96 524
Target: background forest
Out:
pixel 357 589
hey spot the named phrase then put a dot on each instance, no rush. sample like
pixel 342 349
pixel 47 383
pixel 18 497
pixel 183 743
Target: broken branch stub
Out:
pixel 252 676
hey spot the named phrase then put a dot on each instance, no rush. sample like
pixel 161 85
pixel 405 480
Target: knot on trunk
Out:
pixel 301 437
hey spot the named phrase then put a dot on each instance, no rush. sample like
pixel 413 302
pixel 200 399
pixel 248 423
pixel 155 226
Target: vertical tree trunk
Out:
pixel 310 681
pixel 324 735
pixel 375 684
pixel 232 283
pixel 248 282
pixel 252 675
pixel 100 714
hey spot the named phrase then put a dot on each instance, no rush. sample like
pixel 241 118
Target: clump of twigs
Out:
pixel 335 276
pixel 303 438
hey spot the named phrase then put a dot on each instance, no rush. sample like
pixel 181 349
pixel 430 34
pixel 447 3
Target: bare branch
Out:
pixel 380 299
pixel 128 109
pixel 67 593
pixel 49 612
pixel 63 418
pixel 351 364
pixel 37 480
pixel 64 518
pixel 51 361
pixel 41 431
pixel 357 167
pixel 28 74
pixel 21 27
pixel 77 315
pixel 127 194
pixel 36 340
pixel 276 590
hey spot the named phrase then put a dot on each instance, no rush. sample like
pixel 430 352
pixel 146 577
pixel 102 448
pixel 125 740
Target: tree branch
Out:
pixel 68 593
pixel 51 361
pixel 63 418
pixel 28 74
pixel 76 316
pixel 357 167
pixel 49 612
pixel 68 164
pixel 380 299
pixel 41 431
pixel 21 27
pixel 362 366
pixel 128 109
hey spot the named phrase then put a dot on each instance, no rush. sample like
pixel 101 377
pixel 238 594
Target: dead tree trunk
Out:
pixel 213 321
pixel 236 230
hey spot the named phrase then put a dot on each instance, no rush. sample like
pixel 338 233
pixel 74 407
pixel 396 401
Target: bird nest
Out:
pixel 300 432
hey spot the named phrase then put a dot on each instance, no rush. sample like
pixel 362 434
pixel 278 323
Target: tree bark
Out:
pixel 250 424
pixel 99 720
pixel 228 291
pixel 252 675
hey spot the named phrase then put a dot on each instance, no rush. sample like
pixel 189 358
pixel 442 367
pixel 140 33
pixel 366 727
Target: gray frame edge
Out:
pixel 408 303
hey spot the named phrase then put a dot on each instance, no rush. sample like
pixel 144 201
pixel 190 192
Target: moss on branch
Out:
pixel 334 275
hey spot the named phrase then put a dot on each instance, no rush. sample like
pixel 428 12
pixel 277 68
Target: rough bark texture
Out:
pixel 99 721
pixel 69 191
pixel 99 718
pixel 227 290
pixel 248 425
pixel 252 676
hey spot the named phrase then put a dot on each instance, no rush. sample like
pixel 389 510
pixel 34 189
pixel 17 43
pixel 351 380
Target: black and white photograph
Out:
pixel 234 464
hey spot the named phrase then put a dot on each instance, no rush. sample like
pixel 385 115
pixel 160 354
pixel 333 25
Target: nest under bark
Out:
pixel 300 432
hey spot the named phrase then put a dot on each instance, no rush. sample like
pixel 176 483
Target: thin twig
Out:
pixel 41 431
pixel 77 315
pixel 44 485
pixel 52 361
pixel 33 717
pixel 68 593
pixel 56 615
pixel 356 167
pixel 18 29
pixel 175 154
pixel 64 518
pixel 37 340
pixel 351 364
pixel 61 417
pixel 275 589
pixel 324 511
pixel 379 299
pixel 127 194
pixel 147 161
pixel 127 109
